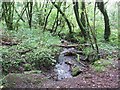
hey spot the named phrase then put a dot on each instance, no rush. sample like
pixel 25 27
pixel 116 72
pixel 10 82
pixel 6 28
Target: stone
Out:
pixel 75 70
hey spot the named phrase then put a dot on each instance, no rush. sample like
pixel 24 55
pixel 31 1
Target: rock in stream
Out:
pixel 66 63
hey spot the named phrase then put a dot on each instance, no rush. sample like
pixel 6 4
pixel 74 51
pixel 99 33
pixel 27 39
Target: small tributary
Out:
pixel 65 63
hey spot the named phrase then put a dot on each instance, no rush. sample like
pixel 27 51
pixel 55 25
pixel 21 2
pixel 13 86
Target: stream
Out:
pixel 63 67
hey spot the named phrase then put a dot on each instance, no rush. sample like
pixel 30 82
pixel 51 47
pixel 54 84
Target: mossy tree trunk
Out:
pixel 64 16
pixel 8 12
pixel 82 28
pixel 55 24
pixel 46 19
pixel 29 13
pixel 83 20
pixel 102 9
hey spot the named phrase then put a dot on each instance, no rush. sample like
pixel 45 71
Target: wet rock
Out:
pixel 68 66
pixel 69 62
pixel 69 52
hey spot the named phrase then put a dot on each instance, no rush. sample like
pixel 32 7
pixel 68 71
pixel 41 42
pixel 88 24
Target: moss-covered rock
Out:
pixel 75 70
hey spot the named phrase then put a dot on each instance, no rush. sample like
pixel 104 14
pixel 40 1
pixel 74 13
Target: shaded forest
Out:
pixel 46 44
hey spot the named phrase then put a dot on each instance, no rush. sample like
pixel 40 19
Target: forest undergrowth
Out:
pixel 34 52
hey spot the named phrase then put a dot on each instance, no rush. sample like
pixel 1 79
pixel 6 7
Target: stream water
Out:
pixel 62 69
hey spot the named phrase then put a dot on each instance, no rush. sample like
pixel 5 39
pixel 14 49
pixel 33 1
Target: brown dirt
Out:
pixel 88 79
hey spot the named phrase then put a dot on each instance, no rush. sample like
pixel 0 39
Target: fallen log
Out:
pixel 8 43
pixel 67 46
pixel 72 46
pixel 24 51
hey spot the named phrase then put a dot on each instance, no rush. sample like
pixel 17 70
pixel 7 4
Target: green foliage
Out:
pixel 27 66
pixel 40 53
pixel 10 61
pixel 41 57
pixel 78 38
pixel 88 51
pixel 101 65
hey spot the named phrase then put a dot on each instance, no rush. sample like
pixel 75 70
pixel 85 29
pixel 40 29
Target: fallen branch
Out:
pixel 67 46
pixel 9 43
pixel 72 46
pixel 24 51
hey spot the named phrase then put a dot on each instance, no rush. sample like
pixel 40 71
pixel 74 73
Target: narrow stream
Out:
pixel 62 69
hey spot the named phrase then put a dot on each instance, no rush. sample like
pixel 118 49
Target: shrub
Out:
pixel 40 53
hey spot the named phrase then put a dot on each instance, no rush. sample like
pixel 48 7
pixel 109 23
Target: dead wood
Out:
pixel 8 43
pixel 71 46
pixel 24 51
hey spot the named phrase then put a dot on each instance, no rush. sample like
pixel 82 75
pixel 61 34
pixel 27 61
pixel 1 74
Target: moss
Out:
pixel 33 72
pixel 75 70
pixel 101 65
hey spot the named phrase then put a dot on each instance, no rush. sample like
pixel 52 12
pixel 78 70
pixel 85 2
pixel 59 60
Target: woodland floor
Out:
pixel 87 79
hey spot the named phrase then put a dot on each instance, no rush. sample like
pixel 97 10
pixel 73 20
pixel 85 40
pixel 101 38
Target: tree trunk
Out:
pixel 8 11
pixel 29 13
pixel 107 31
pixel 55 24
pixel 75 7
pixel 64 16
pixel 83 13
pixel 46 19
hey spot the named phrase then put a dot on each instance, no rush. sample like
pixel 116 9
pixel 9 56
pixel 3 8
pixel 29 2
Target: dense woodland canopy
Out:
pixel 35 33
